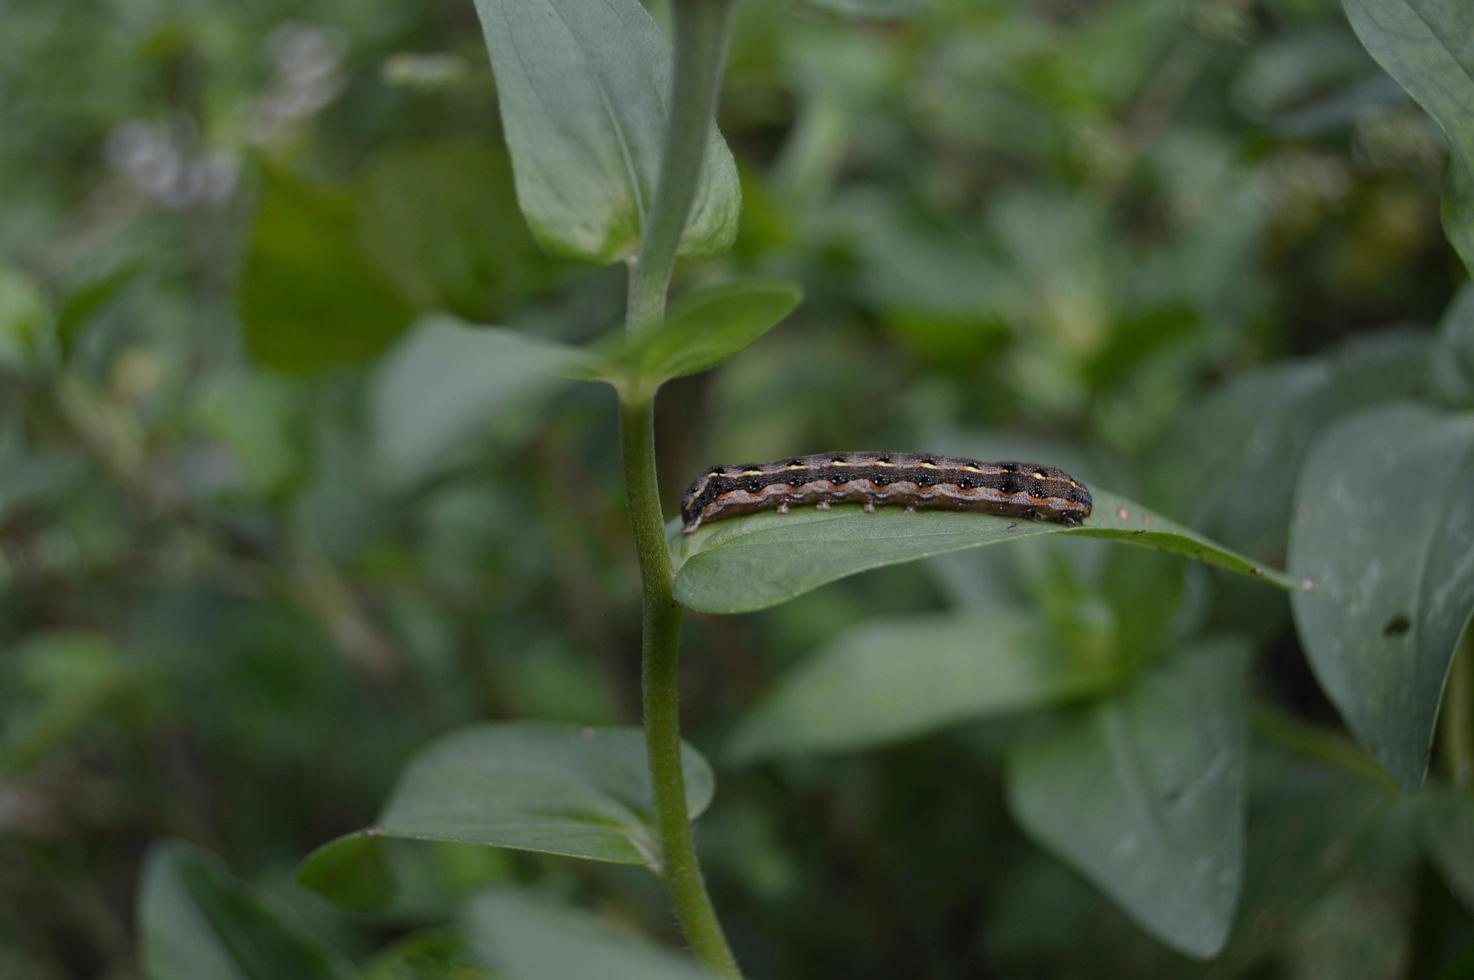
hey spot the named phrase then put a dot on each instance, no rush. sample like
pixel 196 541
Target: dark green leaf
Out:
pixel 704 328
pixel 440 222
pixel 584 91
pixel 352 871
pixel 1446 828
pixel 1424 44
pixel 1144 795
pixel 309 297
pixel 526 939
pixel 1384 527
pixel 748 563
pixel 559 789
pixel 884 681
pixel 447 380
pixel 197 921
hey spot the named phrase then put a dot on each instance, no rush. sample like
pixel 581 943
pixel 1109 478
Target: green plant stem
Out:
pixel 659 681
pixel 1320 744
pixel 1458 714
pixel 702 30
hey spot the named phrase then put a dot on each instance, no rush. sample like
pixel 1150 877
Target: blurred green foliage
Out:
pixel 266 531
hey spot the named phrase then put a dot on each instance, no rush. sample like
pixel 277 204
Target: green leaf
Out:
pixel 257 417
pixel 445 381
pixel 1453 366
pixel 55 687
pixel 584 90
pixel 27 330
pixel 1424 44
pixel 704 328
pixel 438 221
pixel 1384 526
pixel 197 921
pixel 526 939
pixel 760 560
pixel 1458 212
pixel 533 786
pixel 309 297
pixel 1144 795
pixel 431 954
pixel 1446 830
pixel 32 479
pixel 875 9
pixel 887 680
pixel 1229 464
pixel 352 870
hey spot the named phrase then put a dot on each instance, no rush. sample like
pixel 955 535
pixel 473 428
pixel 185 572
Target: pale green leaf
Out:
pixel 526 939
pixel 445 381
pixel 888 680
pixel 534 786
pixel 747 563
pixel 584 90
pixel 703 328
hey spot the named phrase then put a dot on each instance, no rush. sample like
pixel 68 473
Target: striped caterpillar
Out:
pixel 917 480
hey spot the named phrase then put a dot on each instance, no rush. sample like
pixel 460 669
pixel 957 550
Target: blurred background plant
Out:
pixel 260 544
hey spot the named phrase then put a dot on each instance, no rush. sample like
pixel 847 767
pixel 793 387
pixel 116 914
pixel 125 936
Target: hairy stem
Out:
pixel 703 28
pixel 659 681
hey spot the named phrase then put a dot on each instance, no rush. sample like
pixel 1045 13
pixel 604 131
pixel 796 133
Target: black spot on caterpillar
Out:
pixel 915 481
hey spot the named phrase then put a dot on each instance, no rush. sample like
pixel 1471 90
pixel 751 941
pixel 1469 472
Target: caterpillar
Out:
pixel 916 480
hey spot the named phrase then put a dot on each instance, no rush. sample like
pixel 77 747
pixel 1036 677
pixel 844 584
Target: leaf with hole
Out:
pixel 1384 526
